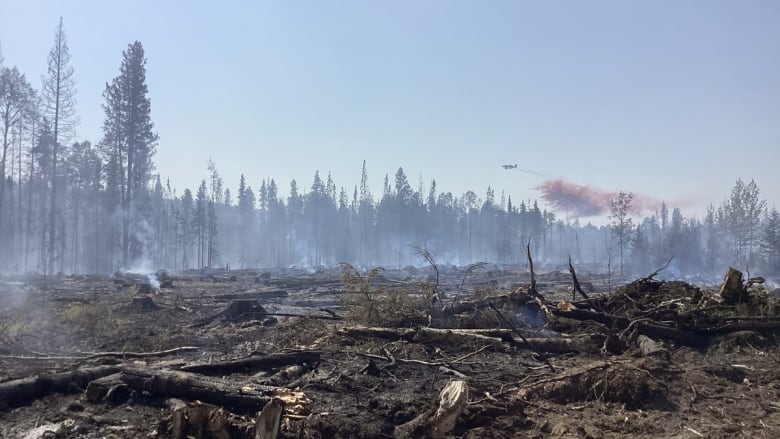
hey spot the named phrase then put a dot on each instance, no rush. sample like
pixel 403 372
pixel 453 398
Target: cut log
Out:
pixel 23 391
pixel 264 362
pixel 175 384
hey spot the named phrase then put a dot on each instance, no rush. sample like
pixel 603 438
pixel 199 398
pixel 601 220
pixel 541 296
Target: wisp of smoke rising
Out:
pixel 583 200
pixel 144 265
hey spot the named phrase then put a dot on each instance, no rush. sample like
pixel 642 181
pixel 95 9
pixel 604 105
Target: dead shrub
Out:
pixel 607 382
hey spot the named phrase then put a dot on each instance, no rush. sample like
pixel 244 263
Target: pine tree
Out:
pixel 742 217
pixel 770 242
pixel 186 222
pixel 199 222
pixel 16 100
pixel 214 200
pixel 620 207
pixel 59 92
pixel 129 139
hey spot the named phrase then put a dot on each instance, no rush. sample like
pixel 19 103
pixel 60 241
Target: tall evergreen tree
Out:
pixel 130 140
pixel 59 93
pixel 199 222
pixel 620 207
pixel 742 217
pixel 16 100
pixel 215 199
pixel 770 241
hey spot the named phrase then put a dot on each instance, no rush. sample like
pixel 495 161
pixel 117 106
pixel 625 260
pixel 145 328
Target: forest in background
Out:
pixel 81 207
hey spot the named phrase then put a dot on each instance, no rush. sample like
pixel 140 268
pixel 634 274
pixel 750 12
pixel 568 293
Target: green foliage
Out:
pixel 95 320
pixel 741 220
pixel 770 242
pixel 376 305
pixel 621 225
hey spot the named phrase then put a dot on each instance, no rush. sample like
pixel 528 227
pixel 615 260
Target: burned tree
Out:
pixel 59 92
pixel 16 100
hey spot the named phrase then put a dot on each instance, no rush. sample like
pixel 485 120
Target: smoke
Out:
pixel 583 200
pixel 143 265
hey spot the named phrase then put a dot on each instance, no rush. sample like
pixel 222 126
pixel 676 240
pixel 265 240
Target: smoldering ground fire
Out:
pixel 584 200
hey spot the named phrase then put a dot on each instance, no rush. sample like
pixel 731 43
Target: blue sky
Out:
pixel 674 100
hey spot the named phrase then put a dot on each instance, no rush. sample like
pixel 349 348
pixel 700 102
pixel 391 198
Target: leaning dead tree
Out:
pixel 532 288
pixel 576 288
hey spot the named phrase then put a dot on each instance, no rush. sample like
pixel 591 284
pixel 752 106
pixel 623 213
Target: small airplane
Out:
pixel 507 167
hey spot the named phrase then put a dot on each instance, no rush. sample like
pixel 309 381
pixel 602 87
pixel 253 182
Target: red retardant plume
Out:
pixel 583 200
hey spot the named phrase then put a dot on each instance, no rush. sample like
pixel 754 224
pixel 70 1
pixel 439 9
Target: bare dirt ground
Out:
pixel 201 357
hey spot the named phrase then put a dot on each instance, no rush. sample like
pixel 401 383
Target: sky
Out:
pixel 672 100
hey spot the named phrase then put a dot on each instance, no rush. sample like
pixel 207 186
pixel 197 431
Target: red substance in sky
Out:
pixel 583 200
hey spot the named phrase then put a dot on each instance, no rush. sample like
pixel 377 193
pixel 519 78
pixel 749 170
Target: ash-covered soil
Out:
pixel 368 357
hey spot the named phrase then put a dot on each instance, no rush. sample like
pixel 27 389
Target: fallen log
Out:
pixel 485 302
pixel 684 335
pixel 23 391
pixel 177 384
pixel 93 356
pixel 264 362
pixel 652 330
pixel 257 295
pixel 489 336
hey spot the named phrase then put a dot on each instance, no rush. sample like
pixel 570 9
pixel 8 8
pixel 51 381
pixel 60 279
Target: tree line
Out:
pixel 81 207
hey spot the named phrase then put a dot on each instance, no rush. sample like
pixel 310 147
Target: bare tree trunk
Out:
pixel 28 228
pixel 53 209
pixel 2 181
pixel 74 263
pixel 62 238
pixel 19 231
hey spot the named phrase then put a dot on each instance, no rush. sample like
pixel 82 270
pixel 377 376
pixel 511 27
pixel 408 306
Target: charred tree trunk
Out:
pixel 19 392
pixel 173 384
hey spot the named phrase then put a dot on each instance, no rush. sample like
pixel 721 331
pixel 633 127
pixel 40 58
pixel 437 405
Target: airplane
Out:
pixel 507 167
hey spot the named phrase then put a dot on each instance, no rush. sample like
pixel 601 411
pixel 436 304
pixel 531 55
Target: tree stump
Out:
pixel 142 288
pixel 142 304
pixel 267 423
pixel 733 290
pixel 243 309
pixel 439 421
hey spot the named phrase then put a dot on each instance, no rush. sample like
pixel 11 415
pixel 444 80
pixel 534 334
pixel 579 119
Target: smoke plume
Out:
pixel 583 200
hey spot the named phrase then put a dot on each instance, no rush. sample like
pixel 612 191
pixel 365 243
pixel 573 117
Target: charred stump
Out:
pixel 733 290
pixel 142 304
